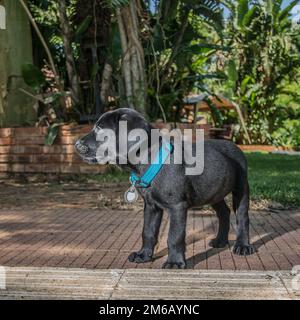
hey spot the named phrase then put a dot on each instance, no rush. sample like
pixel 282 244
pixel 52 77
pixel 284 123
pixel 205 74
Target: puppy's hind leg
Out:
pixel 152 221
pixel 242 245
pixel 223 214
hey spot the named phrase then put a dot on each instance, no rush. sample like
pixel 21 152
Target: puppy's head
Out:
pixel 90 146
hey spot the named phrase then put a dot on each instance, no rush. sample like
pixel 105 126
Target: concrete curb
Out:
pixel 67 283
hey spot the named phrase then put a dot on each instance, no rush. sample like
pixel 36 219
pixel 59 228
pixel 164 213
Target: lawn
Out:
pixel 274 177
pixel 271 177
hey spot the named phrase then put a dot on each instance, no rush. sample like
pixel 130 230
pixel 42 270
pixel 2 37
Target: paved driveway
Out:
pixel 66 226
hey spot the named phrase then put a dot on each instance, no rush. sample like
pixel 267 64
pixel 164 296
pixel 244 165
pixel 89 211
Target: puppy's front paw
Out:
pixel 174 265
pixel 243 250
pixel 140 257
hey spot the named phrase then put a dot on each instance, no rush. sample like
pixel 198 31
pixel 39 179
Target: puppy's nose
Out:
pixel 81 148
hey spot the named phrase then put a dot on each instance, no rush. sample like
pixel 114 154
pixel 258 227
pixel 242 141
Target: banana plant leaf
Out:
pixel 53 97
pixel 51 134
pixel 82 28
pixel 115 4
pixel 242 10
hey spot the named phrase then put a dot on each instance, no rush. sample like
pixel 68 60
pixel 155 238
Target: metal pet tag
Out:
pixel 131 195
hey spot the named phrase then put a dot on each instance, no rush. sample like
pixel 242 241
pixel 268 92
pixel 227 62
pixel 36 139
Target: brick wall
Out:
pixel 22 150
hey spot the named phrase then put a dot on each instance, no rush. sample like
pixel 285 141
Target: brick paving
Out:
pixel 64 227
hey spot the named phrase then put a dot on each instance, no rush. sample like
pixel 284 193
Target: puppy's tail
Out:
pixel 241 188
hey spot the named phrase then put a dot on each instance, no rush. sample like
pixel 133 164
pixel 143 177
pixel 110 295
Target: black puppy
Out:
pixel 225 171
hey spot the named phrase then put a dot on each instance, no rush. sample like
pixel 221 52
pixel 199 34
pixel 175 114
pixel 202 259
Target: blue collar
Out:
pixel 145 180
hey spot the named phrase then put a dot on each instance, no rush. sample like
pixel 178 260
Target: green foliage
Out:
pixel 49 104
pixel 115 4
pixel 209 10
pixel 217 115
pixel 241 12
pixel 253 58
pixel 263 59
pixel 82 28
pixel 185 37
pixel 233 74
pixel 33 76
pixel 46 15
pixel 51 134
pixel 288 135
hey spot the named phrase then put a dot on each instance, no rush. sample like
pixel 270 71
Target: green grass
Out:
pixel 274 177
pixel 271 177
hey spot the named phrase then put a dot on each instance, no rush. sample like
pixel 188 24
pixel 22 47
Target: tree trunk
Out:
pixel 106 83
pixel 70 62
pixel 126 67
pixel 133 63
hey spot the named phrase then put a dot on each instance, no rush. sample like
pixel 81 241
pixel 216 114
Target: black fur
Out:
pixel 225 172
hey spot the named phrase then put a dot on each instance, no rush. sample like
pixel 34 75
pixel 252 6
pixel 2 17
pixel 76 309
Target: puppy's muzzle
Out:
pixel 82 148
